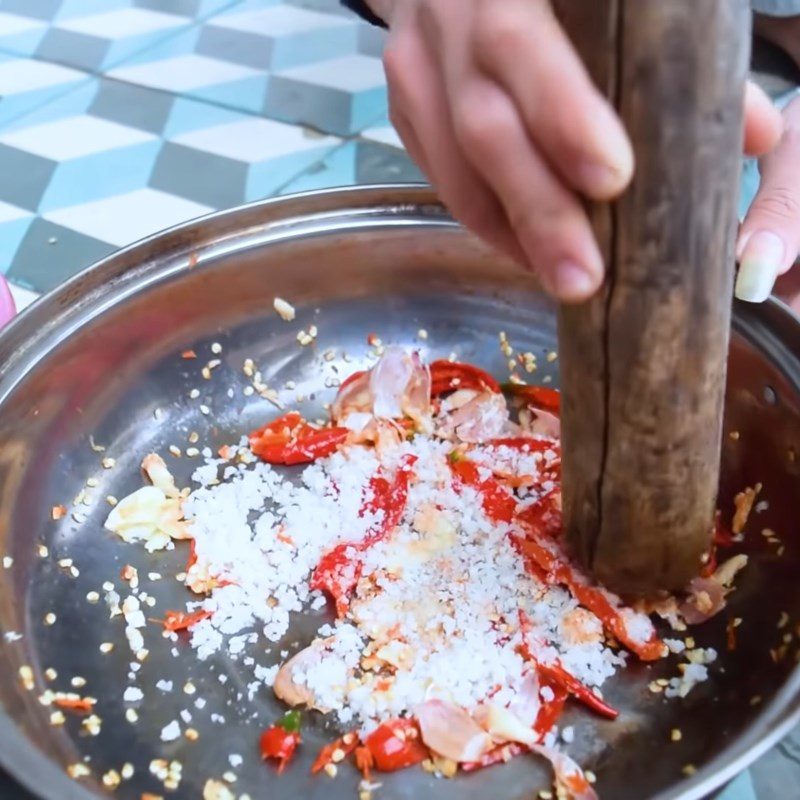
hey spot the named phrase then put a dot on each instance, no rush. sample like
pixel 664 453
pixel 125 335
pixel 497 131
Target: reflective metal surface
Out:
pixel 101 354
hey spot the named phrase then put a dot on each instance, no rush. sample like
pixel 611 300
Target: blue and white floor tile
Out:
pixel 238 161
pixel 342 95
pixel 244 58
pixel 27 84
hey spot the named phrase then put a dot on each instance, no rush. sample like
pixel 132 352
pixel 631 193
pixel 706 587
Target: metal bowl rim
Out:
pixel 35 771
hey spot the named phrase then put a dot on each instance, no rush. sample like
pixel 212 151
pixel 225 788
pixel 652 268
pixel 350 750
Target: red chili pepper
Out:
pixel 544 516
pixel 497 502
pixel 589 597
pixel 313 445
pixel 337 575
pixel 346 745
pixel 710 567
pixel 499 755
pixel 500 506
pixel 389 497
pixel 551 710
pixel 365 762
pixel 350 379
pixel 192 560
pixel 555 674
pixel 175 621
pixel 83 705
pixel 536 555
pixel 596 602
pixel 722 535
pixel 291 440
pixel 448 376
pixel 280 744
pixel 538 397
pixel 339 570
pixel 396 744
pixel 279 430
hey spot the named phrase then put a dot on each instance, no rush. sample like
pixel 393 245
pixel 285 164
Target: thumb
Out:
pixel 769 239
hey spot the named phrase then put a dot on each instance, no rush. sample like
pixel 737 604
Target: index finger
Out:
pixel 521 46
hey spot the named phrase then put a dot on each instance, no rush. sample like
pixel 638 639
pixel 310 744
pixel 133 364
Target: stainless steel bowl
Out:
pixel 98 356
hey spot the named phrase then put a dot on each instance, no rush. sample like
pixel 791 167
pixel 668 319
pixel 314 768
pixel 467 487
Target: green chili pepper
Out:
pixel 290 722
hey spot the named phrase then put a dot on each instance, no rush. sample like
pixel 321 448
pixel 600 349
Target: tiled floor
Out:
pixel 122 117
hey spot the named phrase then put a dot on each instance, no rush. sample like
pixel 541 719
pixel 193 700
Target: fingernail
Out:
pixel 612 153
pixel 760 263
pixel 600 180
pixel 572 282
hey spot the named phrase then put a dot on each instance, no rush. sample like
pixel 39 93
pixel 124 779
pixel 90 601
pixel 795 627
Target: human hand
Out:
pixel 769 239
pixel 495 106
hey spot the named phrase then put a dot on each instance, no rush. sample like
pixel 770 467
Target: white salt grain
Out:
pixel 171 732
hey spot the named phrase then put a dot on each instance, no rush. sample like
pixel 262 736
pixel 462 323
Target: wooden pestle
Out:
pixel 643 363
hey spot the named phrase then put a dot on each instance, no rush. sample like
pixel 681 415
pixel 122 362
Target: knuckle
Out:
pixel 526 224
pixel 779 202
pixel 479 123
pixel 542 231
pixel 495 31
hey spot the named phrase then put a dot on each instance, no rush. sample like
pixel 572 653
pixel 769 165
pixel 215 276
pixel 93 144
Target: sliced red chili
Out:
pixel 279 430
pixel 192 560
pixel 555 674
pixel 723 537
pixel 82 705
pixel 536 555
pixel 365 762
pixel 345 746
pixel 595 601
pixel 175 621
pixel 396 744
pixel 538 397
pixel 340 568
pixel 280 744
pixel 497 502
pixel 290 440
pixel 710 566
pixel 589 597
pixel 550 710
pixel 389 497
pixel 350 379
pixel 312 446
pixel 448 376
pixel 337 575
pixel 544 516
